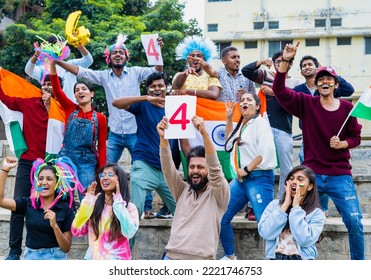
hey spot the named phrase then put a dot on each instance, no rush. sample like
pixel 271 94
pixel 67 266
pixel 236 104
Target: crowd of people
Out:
pixel 202 201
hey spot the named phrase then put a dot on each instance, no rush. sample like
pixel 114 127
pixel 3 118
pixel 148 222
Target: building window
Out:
pixel 335 22
pixel 273 24
pixel 274 46
pixel 312 42
pixel 367 45
pixel 258 25
pixel 212 27
pixel 320 22
pixel 251 44
pixel 221 46
pixel 344 41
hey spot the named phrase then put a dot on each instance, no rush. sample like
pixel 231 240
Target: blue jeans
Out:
pixel 45 254
pixel 116 144
pixel 343 193
pixel 284 147
pixel 323 198
pixel 258 189
pixel 148 202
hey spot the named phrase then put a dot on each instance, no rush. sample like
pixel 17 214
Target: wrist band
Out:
pixel 288 61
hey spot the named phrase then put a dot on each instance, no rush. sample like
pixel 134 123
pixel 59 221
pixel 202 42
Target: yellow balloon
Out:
pixel 76 35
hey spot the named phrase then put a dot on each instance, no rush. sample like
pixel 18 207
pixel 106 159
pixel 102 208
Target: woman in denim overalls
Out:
pixel 86 130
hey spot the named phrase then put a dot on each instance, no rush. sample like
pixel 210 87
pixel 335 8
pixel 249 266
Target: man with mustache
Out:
pixel 328 134
pixel 201 201
pixel 199 78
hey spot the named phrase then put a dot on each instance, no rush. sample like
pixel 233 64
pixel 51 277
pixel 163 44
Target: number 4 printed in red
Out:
pixel 151 49
pixel 183 121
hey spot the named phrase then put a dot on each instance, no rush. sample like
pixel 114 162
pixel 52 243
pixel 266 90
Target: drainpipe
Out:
pixel 263 40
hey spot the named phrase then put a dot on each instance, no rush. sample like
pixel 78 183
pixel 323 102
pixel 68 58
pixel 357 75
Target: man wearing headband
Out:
pixel 118 81
pixel 199 78
pixel 328 134
pixel 146 174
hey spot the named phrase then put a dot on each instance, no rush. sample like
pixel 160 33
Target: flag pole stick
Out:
pixel 341 128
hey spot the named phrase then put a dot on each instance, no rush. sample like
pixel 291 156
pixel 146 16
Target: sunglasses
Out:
pixel 109 174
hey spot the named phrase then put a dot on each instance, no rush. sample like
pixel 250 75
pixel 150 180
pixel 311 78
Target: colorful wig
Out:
pixel 55 49
pixel 118 45
pixel 67 180
pixel 196 43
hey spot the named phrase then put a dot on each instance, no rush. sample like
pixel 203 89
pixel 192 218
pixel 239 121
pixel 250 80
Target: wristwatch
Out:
pixel 246 170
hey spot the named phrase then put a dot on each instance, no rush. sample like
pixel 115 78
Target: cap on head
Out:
pixel 325 71
pixel 118 45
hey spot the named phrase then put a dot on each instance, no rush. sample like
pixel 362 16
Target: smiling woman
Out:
pixel 86 129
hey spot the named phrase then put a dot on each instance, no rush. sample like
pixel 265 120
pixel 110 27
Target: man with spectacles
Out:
pixel 279 119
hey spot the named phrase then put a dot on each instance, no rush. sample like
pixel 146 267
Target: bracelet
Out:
pixel 6 171
pixel 288 61
pixel 195 92
pixel 246 170
pixel 35 55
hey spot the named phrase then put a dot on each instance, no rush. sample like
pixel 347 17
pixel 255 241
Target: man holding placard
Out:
pixel 201 201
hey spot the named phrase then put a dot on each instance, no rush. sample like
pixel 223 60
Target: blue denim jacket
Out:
pixel 306 229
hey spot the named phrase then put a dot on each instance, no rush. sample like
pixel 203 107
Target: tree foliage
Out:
pixel 105 20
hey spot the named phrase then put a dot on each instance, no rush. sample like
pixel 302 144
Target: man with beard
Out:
pixel 120 80
pixel 201 201
pixel 35 112
pixel 199 78
pixel 328 134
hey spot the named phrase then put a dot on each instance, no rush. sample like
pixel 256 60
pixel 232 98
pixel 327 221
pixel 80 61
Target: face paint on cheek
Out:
pixel 301 185
pixel 151 90
pixel 163 89
pixel 331 84
pixel 319 84
pixel 250 104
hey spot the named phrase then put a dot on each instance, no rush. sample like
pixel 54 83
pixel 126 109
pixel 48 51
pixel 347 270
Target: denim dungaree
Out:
pixel 79 145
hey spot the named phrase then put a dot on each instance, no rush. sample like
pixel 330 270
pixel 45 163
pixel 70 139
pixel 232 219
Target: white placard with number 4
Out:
pixel 152 48
pixel 180 110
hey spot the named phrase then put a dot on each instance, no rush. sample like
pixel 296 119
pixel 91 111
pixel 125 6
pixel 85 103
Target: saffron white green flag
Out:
pixel 362 109
pixel 214 115
pixel 15 86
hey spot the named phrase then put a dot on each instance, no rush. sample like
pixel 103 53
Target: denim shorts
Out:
pixel 54 253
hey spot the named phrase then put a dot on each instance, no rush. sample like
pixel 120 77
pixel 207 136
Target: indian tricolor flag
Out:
pixel 214 115
pixel 15 86
pixel 362 109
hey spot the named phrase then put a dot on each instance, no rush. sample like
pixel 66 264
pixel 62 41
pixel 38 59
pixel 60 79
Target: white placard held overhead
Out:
pixel 180 110
pixel 152 48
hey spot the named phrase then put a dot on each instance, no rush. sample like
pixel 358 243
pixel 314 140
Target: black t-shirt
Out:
pixel 39 232
pixel 278 117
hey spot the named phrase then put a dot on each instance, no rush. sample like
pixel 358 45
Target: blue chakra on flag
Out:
pixel 218 135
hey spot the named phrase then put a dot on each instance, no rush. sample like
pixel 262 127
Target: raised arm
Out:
pixel 68 67
pixel 8 164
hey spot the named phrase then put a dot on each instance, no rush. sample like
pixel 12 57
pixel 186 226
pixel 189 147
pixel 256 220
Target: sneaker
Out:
pixel 164 214
pixel 13 257
pixel 225 258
